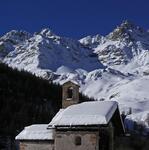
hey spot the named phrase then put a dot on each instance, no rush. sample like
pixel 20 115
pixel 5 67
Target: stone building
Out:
pixel 77 126
pixel 36 137
pixel 70 95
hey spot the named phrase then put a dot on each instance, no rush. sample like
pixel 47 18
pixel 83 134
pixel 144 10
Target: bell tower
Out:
pixel 70 94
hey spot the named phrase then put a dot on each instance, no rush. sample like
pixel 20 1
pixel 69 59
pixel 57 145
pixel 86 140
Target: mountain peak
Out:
pixel 92 41
pixel 47 32
pixel 125 51
pixel 128 24
pixel 126 31
pixel 16 36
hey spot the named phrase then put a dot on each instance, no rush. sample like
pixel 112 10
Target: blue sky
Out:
pixel 71 18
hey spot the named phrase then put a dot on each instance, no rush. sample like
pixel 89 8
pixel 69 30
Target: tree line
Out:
pixel 26 99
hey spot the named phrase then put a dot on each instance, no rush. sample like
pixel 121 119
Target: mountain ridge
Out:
pixel 112 67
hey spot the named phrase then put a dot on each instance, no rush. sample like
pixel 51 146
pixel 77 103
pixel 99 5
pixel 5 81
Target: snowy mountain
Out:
pixel 9 41
pixel 124 45
pixel 112 67
pixel 46 52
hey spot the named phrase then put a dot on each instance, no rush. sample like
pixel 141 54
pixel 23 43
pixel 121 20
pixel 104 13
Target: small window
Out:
pixel 70 92
pixel 78 140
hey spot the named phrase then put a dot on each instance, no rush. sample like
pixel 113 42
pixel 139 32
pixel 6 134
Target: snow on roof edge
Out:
pixel 72 115
pixel 36 132
pixel 72 81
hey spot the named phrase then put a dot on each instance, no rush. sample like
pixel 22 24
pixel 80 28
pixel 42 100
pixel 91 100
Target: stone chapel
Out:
pixel 77 126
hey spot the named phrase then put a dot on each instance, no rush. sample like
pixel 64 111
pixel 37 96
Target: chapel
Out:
pixel 76 126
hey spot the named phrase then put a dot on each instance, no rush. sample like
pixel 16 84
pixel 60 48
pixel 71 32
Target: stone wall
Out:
pixel 38 145
pixel 75 95
pixel 66 140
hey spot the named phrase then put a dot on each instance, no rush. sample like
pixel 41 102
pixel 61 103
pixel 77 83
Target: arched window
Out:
pixel 70 92
pixel 78 140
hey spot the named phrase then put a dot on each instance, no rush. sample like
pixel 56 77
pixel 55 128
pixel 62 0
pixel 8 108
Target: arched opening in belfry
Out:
pixel 70 92
pixel 78 141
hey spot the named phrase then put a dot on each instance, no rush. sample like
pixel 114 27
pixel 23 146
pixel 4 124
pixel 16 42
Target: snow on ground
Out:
pixel 113 85
pixel 138 122
pixel 124 52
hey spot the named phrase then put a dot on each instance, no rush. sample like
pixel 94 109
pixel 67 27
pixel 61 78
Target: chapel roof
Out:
pixel 36 132
pixel 87 113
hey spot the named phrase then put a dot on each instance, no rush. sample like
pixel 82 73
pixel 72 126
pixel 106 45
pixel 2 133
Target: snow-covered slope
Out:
pixel 48 51
pixel 126 44
pixel 114 67
pixel 9 41
pixel 92 41
pixel 138 122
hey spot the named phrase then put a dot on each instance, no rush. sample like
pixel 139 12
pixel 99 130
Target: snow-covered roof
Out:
pixel 36 132
pixel 71 81
pixel 87 113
